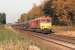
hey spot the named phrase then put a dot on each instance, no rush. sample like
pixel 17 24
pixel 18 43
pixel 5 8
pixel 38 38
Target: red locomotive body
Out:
pixel 41 23
pixel 33 24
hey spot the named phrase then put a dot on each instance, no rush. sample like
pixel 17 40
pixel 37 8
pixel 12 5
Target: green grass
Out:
pixel 9 35
pixel 10 40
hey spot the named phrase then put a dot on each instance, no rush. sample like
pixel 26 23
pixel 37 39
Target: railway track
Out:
pixel 56 39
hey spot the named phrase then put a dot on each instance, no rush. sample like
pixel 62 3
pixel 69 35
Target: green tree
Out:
pixel 3 18
pixel 65 7
pixel 47 9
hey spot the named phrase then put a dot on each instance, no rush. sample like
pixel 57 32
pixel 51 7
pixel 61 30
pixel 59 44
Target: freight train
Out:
pixel 41 24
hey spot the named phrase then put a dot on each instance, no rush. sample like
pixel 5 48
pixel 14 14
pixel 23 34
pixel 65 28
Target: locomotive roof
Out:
pixel 39 18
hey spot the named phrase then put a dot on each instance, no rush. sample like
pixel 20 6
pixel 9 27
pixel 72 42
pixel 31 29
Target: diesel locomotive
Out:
pixel 40 24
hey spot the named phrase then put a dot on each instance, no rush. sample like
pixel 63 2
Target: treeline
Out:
pixel 61 11
pixel 2 18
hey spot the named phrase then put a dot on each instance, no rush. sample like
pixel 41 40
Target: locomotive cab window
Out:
pixel 43 20
pixel 48 20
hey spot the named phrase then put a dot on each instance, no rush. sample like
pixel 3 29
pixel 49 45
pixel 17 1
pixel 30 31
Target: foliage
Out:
pixel 59 8
pixel 10 40
pixel 64 7
pixel 2 18
pixel 48 11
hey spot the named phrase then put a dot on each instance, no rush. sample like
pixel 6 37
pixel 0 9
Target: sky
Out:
pixel 14 8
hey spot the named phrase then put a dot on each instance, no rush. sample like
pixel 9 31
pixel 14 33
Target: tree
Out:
pixel 65 7
pixel 2 18
pixel 22 18
pixel 47 9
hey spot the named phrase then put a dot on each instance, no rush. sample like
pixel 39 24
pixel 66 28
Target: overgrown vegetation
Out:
pixel 12 41
pixel 61 9
pixel 2 18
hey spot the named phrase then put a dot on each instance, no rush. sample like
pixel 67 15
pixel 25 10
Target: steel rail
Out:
pixel 61 42
pixel 56 41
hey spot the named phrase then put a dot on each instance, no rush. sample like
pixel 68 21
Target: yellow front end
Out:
pixel 44 25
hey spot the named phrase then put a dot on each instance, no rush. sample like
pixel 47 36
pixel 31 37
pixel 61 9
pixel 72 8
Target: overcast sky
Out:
pixel 14 8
